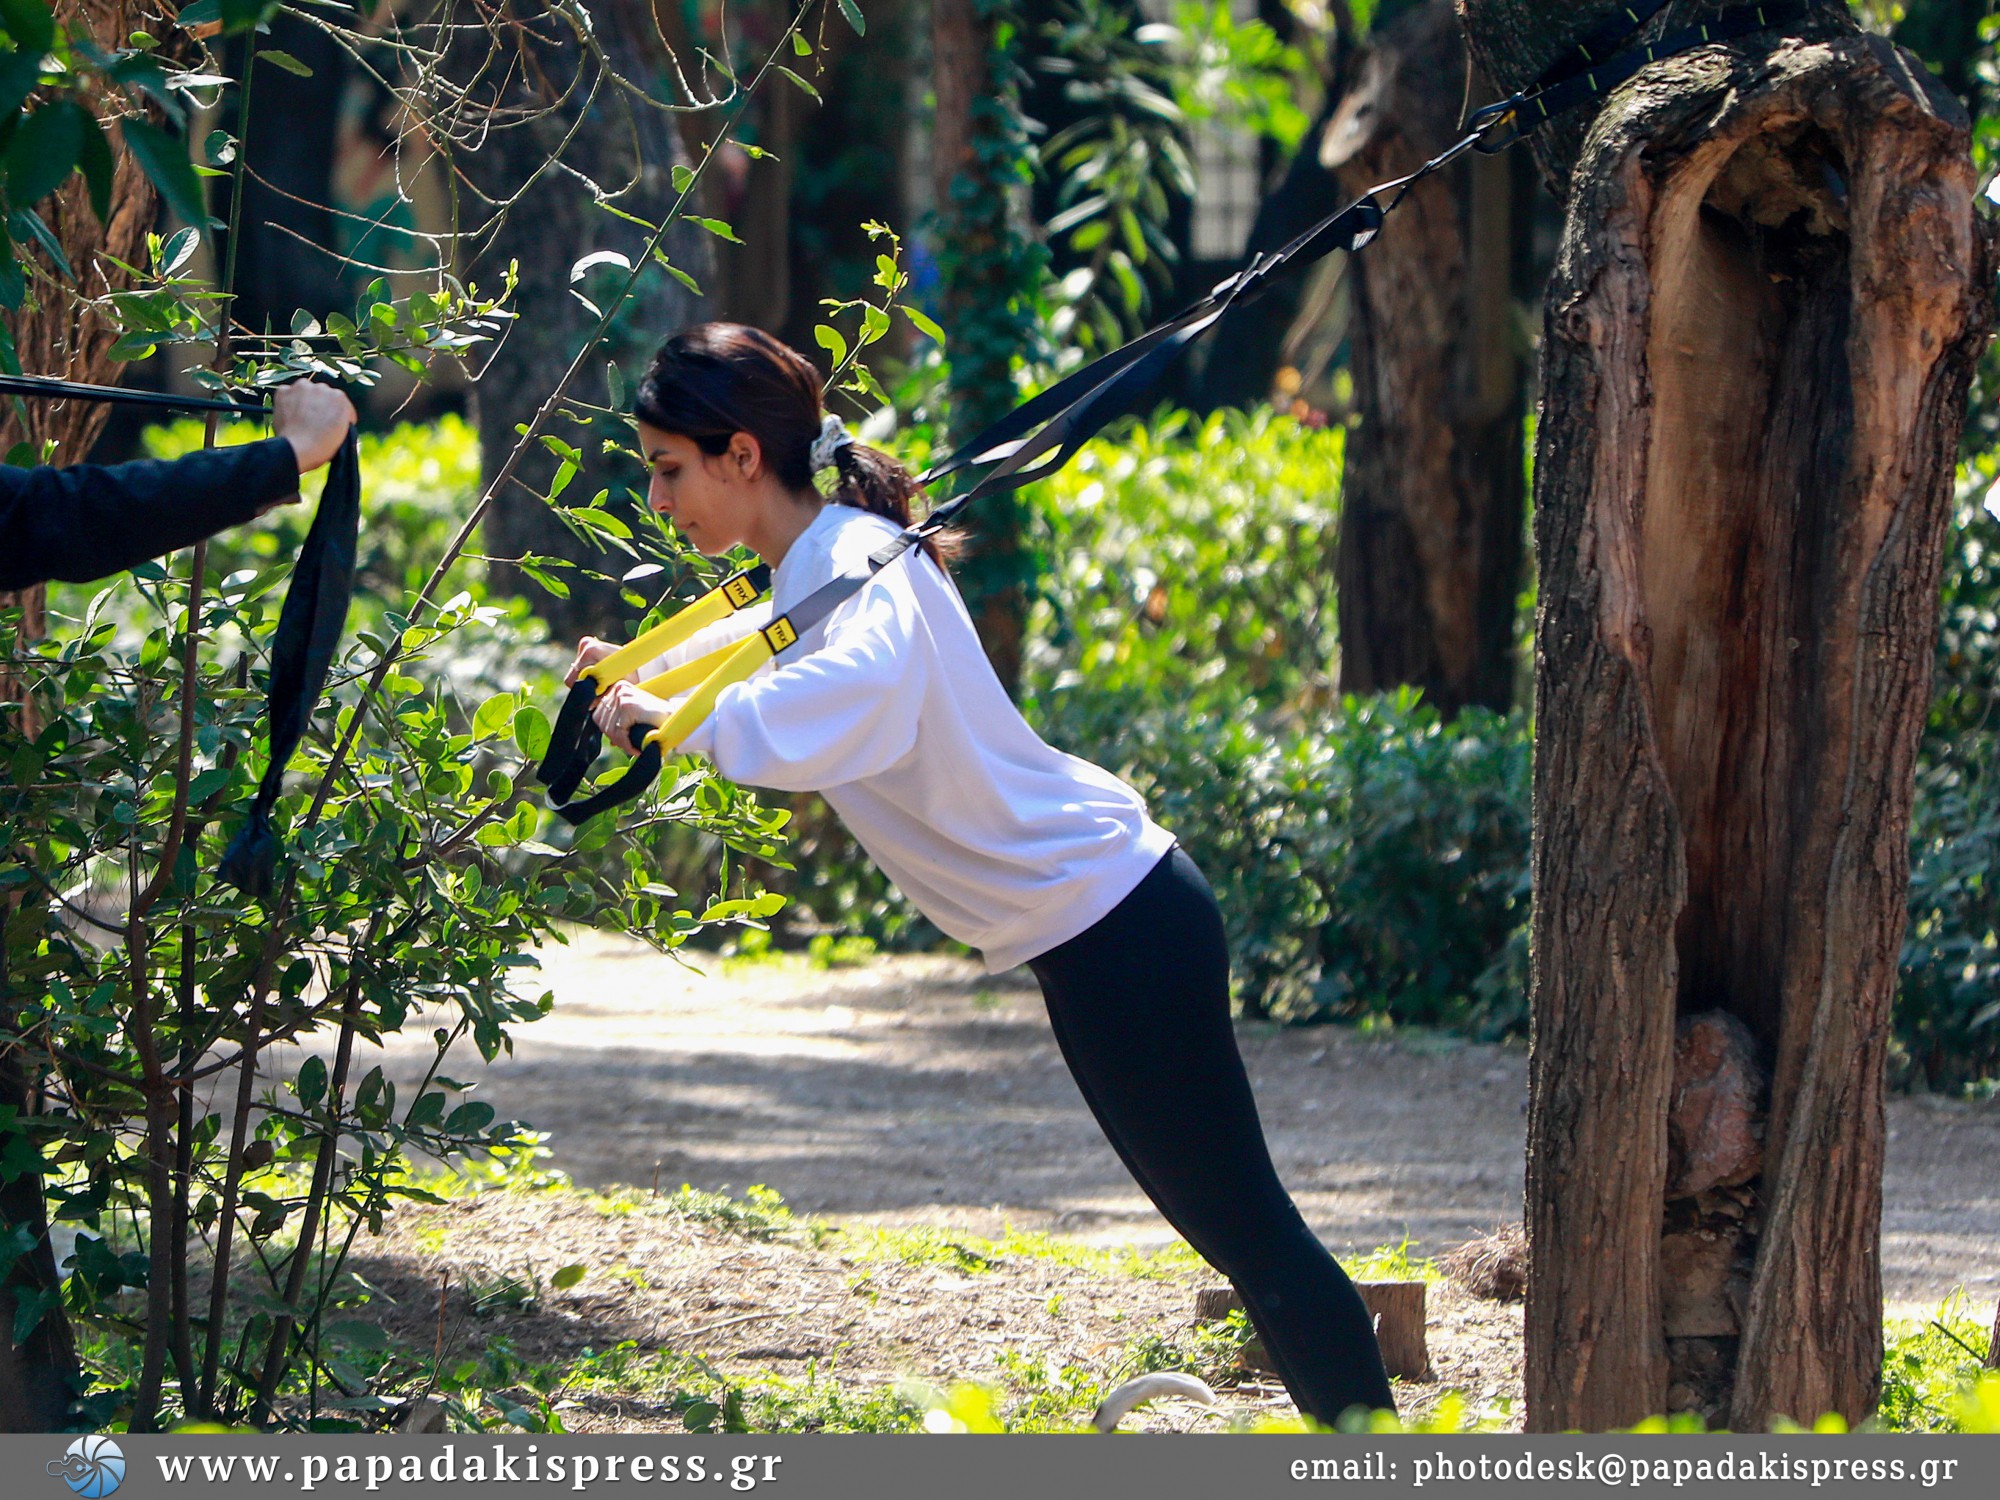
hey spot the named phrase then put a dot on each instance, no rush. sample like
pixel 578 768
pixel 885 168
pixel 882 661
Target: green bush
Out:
pixel 1371 863
pixel 145 997
pixel 1189 565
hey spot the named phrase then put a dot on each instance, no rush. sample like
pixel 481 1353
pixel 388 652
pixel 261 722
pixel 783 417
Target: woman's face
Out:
pixel 709 497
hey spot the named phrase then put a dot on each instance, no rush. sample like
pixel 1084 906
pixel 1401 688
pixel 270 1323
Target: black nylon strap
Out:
pixel 309 630
pixel 1572 86
pixel 48 388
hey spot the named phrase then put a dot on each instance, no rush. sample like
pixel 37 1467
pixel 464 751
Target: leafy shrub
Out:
pixel 146 997
pixel 1370 865
pixel 1190 561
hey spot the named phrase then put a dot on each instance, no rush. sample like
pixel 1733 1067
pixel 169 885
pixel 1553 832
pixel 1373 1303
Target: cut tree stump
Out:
pixel 1396 1306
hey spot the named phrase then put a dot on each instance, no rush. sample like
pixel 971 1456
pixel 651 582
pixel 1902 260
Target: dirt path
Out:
pixel 918 1090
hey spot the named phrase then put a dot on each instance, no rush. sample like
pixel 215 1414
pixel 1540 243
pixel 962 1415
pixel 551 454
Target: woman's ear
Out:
pixel 746 454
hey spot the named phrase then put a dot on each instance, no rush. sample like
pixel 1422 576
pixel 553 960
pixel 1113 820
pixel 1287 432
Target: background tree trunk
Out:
pixel 286 258
pixel 55 336
pixel 1431 517
pixel 1769 300
pixel 545 232
pixel 987 273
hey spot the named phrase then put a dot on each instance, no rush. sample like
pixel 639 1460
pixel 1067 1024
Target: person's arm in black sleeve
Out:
pixel 89 520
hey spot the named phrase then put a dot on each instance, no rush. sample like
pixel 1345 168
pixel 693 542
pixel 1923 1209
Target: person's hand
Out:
pixel 313 418
pixel 622 707
pixel 589 651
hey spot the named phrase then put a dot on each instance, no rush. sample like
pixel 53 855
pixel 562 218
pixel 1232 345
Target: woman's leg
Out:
pixel 1140 1008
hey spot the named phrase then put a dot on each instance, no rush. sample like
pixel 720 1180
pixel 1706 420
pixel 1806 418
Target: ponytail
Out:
pixel 871 480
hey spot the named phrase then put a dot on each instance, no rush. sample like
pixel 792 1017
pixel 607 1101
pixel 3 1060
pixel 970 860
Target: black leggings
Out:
pixel 1140 1007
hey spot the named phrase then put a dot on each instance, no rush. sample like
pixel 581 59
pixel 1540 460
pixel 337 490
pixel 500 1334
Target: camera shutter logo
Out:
pixel 92 1467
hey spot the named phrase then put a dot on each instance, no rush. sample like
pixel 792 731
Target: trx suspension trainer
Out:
pixel 1041 435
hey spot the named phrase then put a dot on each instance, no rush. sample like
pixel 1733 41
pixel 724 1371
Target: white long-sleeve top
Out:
pixel 890 710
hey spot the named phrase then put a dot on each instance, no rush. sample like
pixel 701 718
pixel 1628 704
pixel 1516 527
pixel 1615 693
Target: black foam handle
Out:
pixel 573 742
pixel 642 773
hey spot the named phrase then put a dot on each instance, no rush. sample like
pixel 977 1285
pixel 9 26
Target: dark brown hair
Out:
pixel 714 380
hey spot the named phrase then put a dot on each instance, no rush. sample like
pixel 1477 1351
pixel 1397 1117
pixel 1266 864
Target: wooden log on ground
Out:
pixel 1396 1306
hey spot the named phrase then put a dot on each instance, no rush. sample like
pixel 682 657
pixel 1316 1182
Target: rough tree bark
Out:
pixel 1770 295
pixel 1432 511
pixel 55 336
pixel 622 147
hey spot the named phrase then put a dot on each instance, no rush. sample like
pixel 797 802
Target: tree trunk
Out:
pixel 286 257
pixel 56 335
pixel 552 225
pixel 987 281
pixel 1240 360
pixel 1431 515
pixel 1770 297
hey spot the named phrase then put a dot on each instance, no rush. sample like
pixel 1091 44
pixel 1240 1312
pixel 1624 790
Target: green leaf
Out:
pixel 19 72
pixel 853 14
pixel 614 384
pixel 681 276
pixel 602 521
pixel 493 715
pixel 796 79
pixel 164 160
pixel 683 177
pixel 245 15
pixel 716 227
pixel 830 340
pixel 31 23
pixel 534 569
pixel 207 783
pixel 311 1085
pixel 801 46
pixel 24 224
pixel 178 251
pixel 566 1278
pixel 97 165
pixel 925 326
pixel 284 60
pixel 44 151
pixel 531 731
pixel 469 1119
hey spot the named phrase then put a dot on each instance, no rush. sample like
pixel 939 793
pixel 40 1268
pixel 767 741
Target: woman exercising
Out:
pixel 891 712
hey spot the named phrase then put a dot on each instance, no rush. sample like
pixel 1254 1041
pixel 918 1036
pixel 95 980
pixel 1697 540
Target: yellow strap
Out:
pixel 672 684
pixel 743 658
pixel 717 604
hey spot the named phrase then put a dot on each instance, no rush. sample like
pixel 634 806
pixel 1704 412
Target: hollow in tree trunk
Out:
pixel 1770 295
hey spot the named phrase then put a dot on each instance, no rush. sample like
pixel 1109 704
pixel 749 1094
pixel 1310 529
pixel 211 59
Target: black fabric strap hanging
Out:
pixel 309 630
pixel 1041 435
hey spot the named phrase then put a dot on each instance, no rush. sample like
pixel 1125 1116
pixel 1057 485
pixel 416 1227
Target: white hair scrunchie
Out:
pixel 833 436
